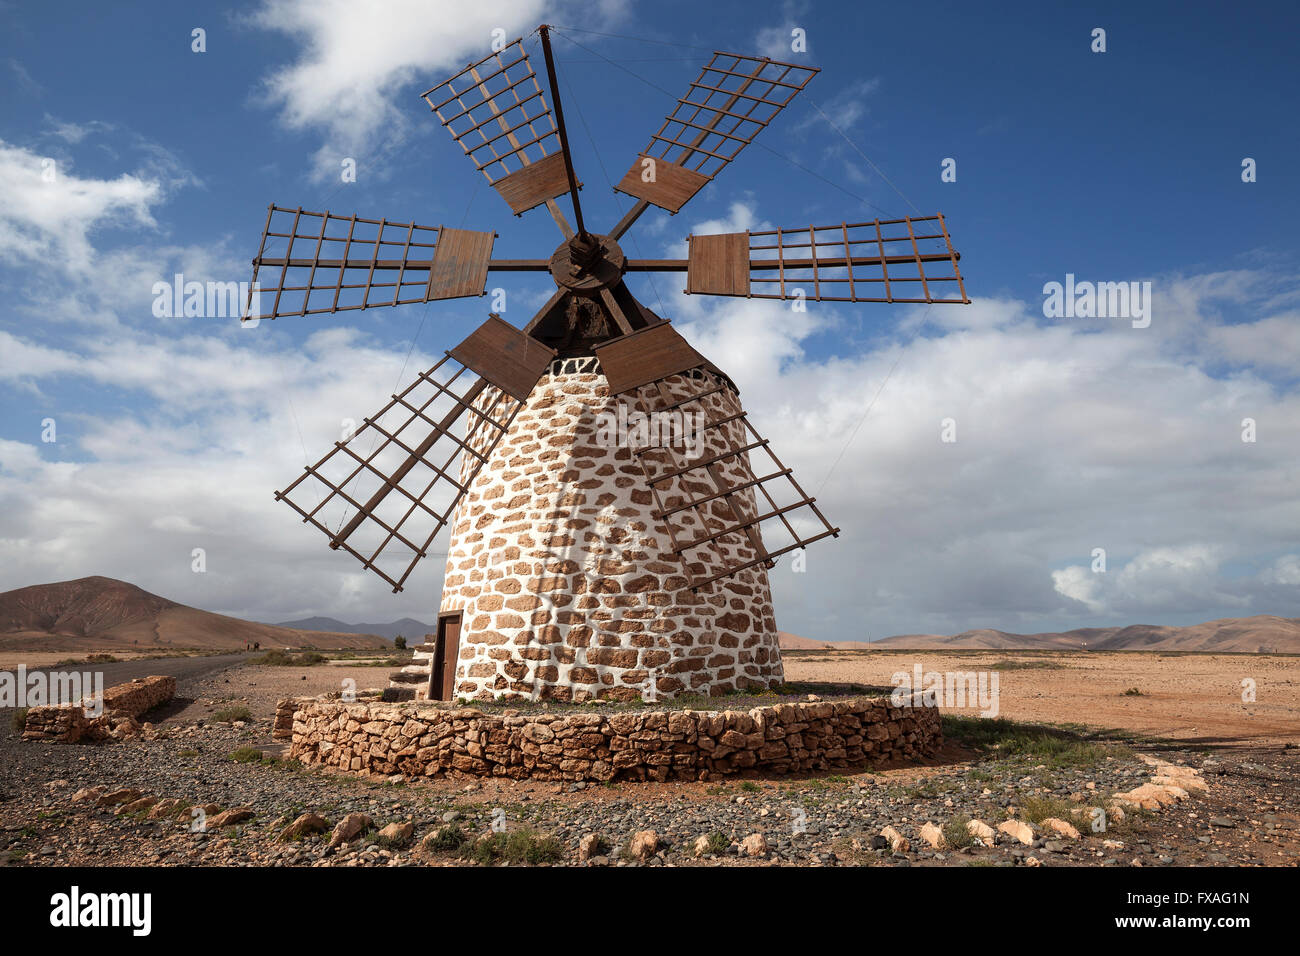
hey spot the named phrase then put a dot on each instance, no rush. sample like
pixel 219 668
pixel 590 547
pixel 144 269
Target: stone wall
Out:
pixel 135 697
pixel 69 723
pixel 282 725
pixel 421 740
pixel 570 587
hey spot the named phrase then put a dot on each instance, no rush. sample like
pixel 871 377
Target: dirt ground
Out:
pixel 259 687
pixel 1192 698
pixel 1246 815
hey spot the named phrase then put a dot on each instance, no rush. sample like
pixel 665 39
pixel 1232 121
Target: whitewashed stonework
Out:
pixel 569 586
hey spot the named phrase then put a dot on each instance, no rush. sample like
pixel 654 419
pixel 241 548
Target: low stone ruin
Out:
pixel 123 703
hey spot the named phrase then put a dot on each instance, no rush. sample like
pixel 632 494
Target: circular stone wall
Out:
pixel 425 740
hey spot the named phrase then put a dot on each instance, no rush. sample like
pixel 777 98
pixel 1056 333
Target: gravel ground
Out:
pixel 1250 814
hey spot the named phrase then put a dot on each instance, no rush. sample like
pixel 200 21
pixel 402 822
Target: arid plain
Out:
pixel 1192 698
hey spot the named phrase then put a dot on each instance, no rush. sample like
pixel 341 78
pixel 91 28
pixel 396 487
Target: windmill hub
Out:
pixel 587 266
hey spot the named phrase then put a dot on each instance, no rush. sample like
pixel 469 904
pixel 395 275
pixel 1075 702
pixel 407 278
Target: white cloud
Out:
pixel 1070 437
pixel 776 41
pixel 357 74
pixel 74 133
pixel 1285 571
pixel 1273 342
pixel 47 212
pixel 1155 580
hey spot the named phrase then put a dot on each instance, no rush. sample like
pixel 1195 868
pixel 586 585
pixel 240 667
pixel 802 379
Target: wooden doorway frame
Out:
pixel 438 678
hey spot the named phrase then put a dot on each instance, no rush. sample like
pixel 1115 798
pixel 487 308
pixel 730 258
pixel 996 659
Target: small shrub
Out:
pixel 20 719
pixel 449 839
pixel 719 843
pixel 273 658
pixel 1038 809
pixel 229 715
pixel 1132 692
pixel 188 753
pixel 519 846
pixel 247 755
pixel 285 659
pixel 955 832
pixel 388 843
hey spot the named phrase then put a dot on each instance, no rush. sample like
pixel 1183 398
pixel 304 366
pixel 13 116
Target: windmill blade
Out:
pixel 384 492
pixel 496 111
pixel 724 511
pixel 311 262
pixel 885 260
pixel 732 100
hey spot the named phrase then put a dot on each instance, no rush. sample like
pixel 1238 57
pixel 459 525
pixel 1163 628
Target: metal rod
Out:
pixel 545 32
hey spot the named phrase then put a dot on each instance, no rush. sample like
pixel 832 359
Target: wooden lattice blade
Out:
pixel 724 512
pixel 734 98
pixel 383 493
pixel 496 111
pixel 313 262
pixel 884 260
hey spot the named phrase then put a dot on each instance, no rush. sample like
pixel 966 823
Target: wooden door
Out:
pixel 442 676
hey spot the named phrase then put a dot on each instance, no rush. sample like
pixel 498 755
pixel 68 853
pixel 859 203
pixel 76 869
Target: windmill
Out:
pixel 613 513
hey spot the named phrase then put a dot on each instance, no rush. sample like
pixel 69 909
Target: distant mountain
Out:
pixel 1263 633
pixel 105 613
pixel 408 627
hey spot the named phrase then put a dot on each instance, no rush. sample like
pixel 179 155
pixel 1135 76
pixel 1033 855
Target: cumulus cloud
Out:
pixel 47 212
pixel 356 70
pixel 1154 580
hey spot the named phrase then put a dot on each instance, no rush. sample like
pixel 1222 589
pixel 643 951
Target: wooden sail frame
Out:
pixel 331 263
pixel 733 99
pixel 407 440
pixel 883 260
pixel 496 111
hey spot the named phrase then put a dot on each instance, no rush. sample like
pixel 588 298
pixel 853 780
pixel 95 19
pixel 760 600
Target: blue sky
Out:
pixel 1073 434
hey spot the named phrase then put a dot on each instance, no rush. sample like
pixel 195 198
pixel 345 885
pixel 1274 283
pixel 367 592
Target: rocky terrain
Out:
pixel 1031 794
pixel 1186 783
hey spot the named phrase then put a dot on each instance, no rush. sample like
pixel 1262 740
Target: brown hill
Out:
pixel 793 642
pixel 103 613
pixel 1263 633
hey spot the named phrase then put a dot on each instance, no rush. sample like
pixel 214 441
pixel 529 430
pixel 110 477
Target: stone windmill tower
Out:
pixel 613 514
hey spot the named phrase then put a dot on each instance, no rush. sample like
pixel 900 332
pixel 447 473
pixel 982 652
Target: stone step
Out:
pixel 408 677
